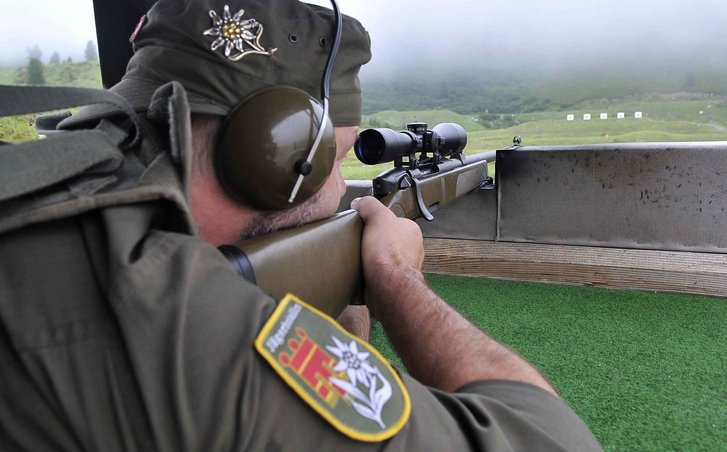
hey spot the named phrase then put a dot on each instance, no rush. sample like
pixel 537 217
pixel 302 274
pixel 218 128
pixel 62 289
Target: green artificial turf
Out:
pixel 645 371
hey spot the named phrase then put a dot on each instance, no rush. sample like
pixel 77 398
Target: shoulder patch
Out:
pixel 343 378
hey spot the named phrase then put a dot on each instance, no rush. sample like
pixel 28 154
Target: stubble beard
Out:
pixel 268 222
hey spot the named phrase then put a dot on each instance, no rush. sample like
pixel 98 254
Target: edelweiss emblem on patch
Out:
pixel 342 378
pixel 240 36
pixel 366 388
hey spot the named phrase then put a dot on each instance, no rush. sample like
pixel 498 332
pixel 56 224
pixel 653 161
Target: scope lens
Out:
pixel 370 146
pixel 384 145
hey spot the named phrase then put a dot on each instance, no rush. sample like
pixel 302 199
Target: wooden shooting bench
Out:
pixel 650 270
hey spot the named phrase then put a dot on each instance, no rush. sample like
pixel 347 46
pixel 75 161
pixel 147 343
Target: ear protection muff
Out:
pixel 277 147
pixel 262 148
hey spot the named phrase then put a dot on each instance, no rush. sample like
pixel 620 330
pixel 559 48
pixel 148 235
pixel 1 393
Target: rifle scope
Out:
pixel 385 145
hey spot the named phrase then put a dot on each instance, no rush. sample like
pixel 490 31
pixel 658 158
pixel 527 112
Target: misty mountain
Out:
pixel 482 87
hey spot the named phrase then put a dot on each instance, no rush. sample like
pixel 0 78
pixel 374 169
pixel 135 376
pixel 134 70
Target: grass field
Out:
pixel 17 129
pixel 646 371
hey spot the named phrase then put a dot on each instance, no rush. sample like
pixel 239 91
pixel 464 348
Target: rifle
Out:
pixel 320 262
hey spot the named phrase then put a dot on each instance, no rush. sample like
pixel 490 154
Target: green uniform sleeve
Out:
pixel 193 335
pixel 510 415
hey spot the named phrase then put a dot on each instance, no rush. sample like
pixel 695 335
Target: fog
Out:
pixel 63 26
pixel 431 35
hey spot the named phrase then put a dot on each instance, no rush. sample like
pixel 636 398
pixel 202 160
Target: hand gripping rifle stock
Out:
pixel 320 262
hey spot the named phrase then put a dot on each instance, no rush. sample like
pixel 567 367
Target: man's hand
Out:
pixel 390 246
pixel 388 243
pixel 438 346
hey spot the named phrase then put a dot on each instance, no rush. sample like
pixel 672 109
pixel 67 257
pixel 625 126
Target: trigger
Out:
pixel 420 201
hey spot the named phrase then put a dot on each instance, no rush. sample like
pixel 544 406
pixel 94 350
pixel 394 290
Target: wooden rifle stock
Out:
pixel 320 262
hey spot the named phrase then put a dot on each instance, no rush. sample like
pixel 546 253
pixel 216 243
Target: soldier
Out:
pixel 123 327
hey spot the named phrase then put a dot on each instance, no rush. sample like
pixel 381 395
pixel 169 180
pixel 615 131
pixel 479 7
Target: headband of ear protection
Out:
pixel 277 147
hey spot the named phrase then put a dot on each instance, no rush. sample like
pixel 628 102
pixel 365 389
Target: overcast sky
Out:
pixel 62 26
pixel 424 32
pixel 560 31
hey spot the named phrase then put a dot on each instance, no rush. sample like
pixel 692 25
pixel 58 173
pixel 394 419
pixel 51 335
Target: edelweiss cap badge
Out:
pixel 240 37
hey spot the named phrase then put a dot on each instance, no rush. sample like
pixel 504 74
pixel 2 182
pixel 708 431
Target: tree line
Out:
pixel 33 73
pixel 495 95
pixel 463 93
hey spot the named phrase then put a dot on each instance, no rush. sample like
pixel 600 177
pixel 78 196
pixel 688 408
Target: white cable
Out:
pixel 312 153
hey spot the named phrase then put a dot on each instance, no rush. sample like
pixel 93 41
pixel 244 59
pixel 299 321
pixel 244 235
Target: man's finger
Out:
pixel 368 207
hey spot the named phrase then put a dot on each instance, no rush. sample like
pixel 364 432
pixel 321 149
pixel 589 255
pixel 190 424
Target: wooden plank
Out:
pixel 661 271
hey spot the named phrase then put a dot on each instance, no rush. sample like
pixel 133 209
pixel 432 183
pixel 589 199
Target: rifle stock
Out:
pixel 320 262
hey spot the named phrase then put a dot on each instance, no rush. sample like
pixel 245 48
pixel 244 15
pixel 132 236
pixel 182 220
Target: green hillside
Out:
pixel 397 120
pixel 701 108
pixel 85 74
pixel 690 107
pixel 663 120
pixel 488 90
pixel 551 128
pixel 678 116
pixel 553 132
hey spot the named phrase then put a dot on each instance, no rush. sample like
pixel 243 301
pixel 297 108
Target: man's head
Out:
pixel 225 53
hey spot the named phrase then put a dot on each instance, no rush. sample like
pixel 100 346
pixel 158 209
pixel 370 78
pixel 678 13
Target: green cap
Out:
pixel 223 50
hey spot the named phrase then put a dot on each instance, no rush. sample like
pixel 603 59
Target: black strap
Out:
pixel 239 261
pixel 34 165
pixel 20 100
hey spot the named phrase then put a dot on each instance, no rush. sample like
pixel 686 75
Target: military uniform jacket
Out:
pixel 121 330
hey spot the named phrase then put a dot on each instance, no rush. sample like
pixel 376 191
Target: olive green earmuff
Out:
pixel 288 141
pixel 264 144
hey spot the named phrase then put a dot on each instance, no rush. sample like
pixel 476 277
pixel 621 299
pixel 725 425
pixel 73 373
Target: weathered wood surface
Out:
pixel 663 271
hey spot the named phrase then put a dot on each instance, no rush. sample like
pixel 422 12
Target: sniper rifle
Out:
pixel 320 262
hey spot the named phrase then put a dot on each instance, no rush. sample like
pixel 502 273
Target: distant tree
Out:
pixel 69 60
pixel 55 58
pixel 35 72
pixel 91 54
pixel 34 52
